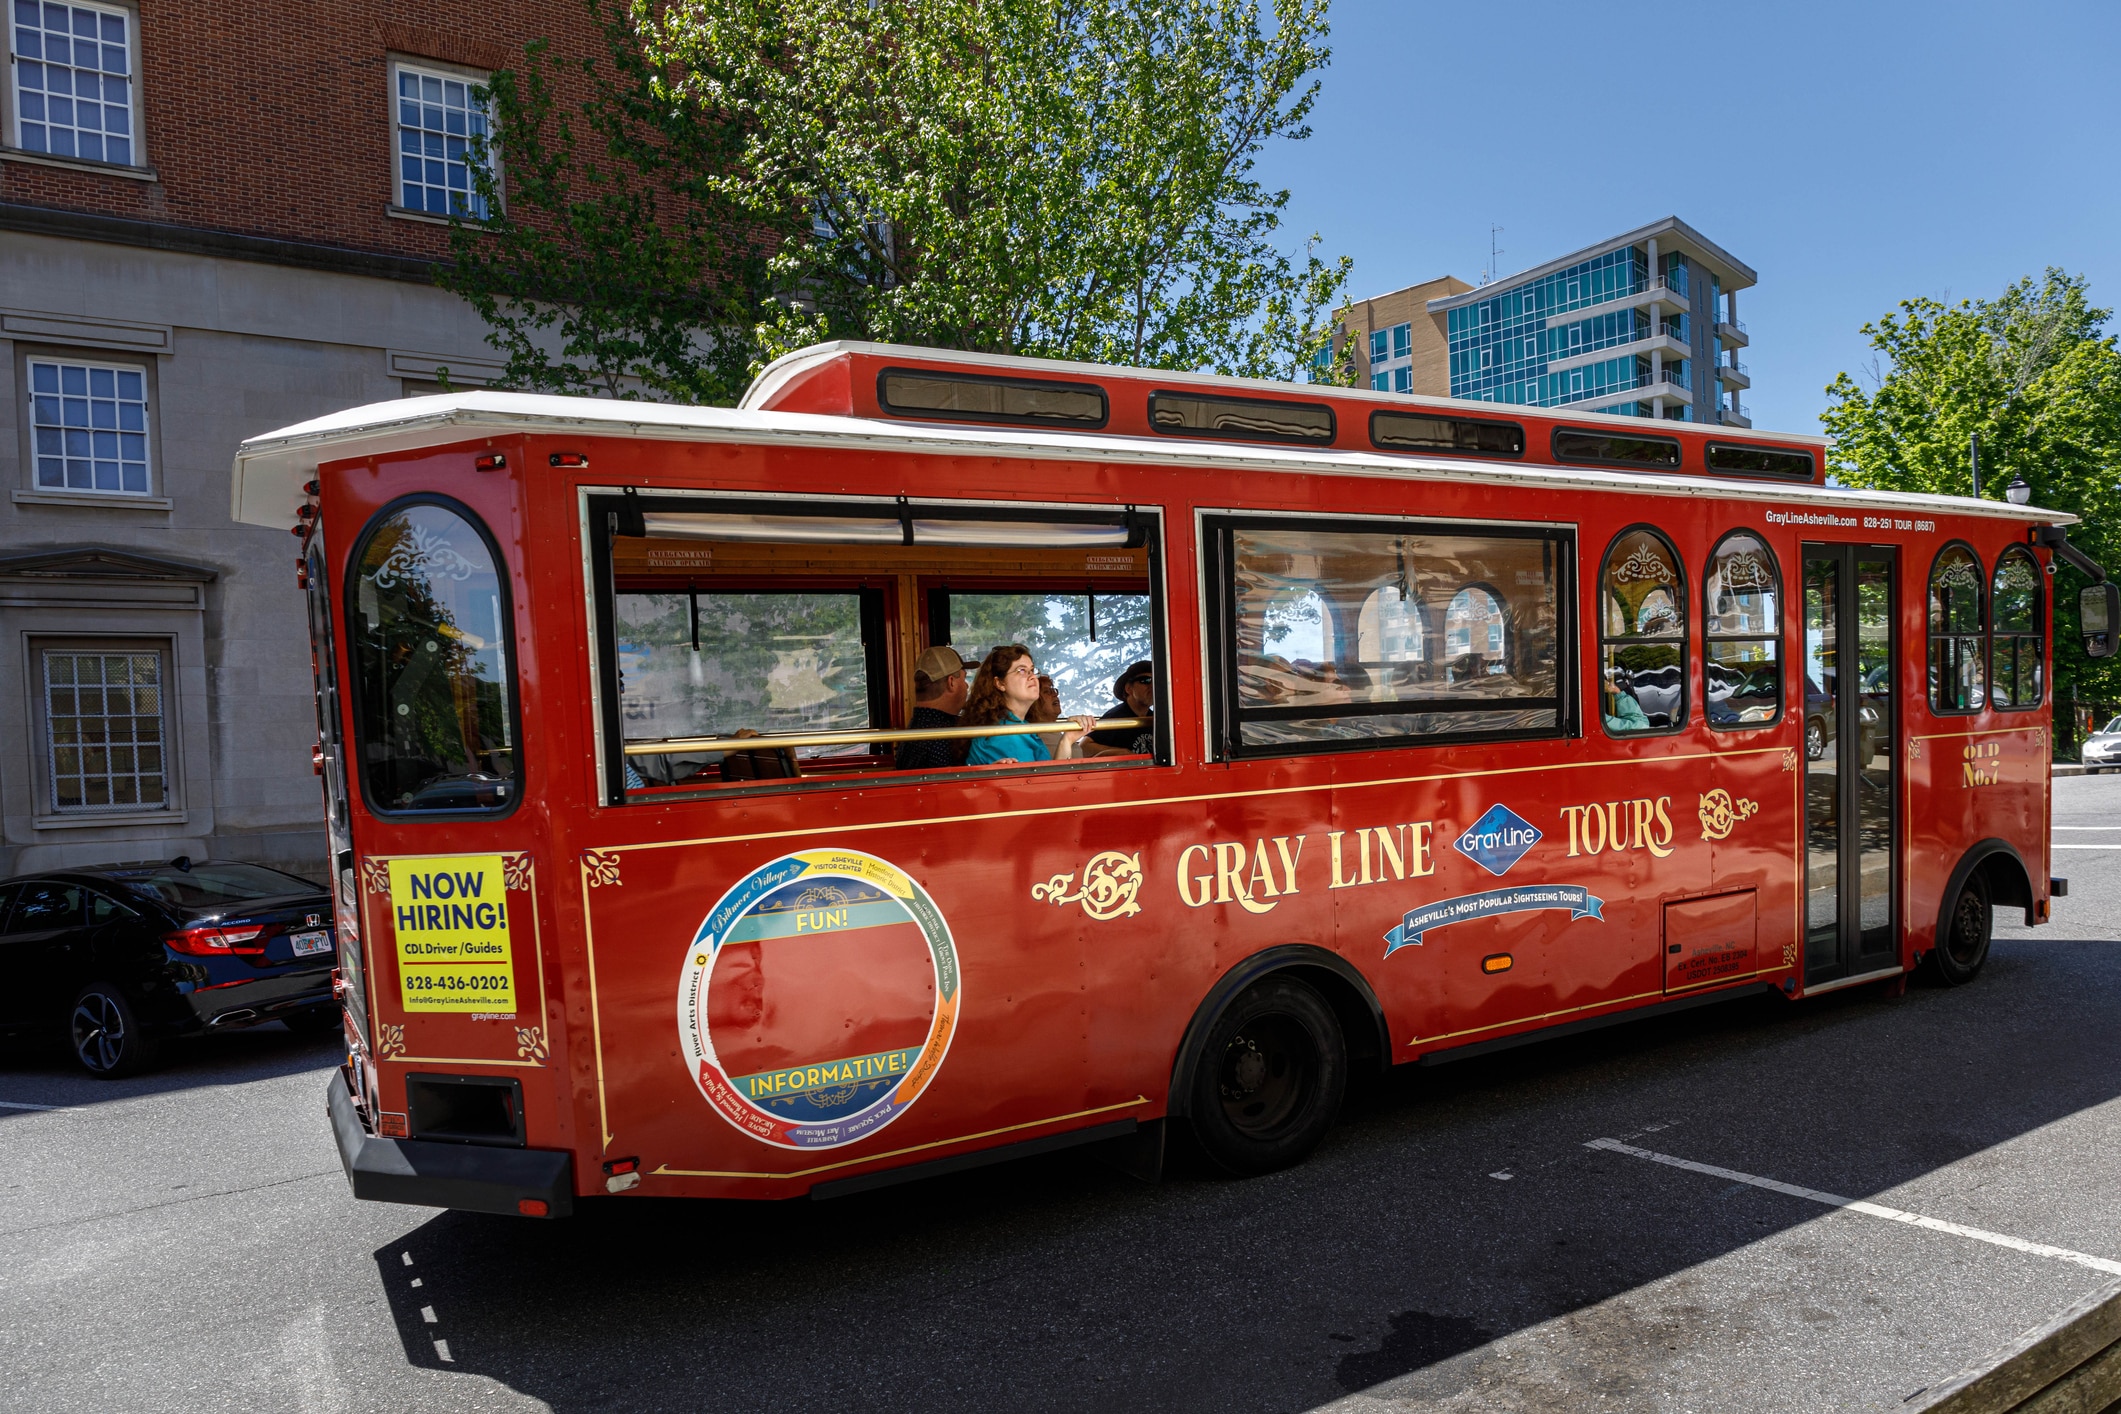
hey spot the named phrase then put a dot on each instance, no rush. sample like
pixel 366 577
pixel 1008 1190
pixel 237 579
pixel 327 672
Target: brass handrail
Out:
pixel 670 746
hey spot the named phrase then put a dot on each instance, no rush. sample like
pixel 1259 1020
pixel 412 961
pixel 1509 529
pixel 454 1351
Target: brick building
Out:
pixel 214 221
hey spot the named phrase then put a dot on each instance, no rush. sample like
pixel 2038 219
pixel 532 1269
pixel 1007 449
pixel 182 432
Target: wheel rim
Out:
pixel 99 1031
pixel 1814 740
pixel 1266 1075
pixel 1967 936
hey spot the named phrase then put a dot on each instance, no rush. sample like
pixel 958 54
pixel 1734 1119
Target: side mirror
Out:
pixel 2099 616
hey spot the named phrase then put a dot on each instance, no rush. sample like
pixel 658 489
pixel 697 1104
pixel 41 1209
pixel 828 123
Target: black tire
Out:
pixel 105 1034
pixel 1814 739
pixel 314 1021
pixel 1269 1078
pixel 1962 947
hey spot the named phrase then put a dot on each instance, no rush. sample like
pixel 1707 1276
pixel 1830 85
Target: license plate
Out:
pixel 310 944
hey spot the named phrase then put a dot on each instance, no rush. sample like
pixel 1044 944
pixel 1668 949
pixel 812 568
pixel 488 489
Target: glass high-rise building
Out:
pixel 1644 324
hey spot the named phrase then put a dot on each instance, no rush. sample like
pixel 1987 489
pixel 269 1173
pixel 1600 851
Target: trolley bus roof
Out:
pixel 269 469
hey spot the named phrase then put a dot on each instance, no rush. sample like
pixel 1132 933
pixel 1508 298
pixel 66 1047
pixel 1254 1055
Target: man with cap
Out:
pixel 939 691
pixel 1136 691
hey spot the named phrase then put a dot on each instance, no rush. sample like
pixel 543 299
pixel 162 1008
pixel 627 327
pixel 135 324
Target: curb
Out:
pixel 2069 1365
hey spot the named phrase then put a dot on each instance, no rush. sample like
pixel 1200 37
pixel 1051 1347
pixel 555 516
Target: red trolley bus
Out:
pixel 701 826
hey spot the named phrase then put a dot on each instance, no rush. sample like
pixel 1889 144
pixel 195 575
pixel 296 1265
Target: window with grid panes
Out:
pixel 88 426
pixel 73 81
pixel 440 117
pixel 104 729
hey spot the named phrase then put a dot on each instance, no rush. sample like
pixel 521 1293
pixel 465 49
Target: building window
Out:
pixel 88 423
pixel 1955 632
pixel 73 81
pixel 440 118
pixel 1377 346
pixel 1402 380
pixel 105 734
pixel 1402 341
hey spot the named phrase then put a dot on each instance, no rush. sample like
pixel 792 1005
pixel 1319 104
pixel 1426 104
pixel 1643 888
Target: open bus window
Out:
pixel 1741 634
pixel 1957 683
pixel 1642 636
pixel 1341 636
pixel 716 663
pixel 434 698
pixel 1082 641
pixel 2014 654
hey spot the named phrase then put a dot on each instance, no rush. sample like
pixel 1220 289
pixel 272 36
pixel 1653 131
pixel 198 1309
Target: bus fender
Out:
pixel 2008 880
pixel 1362 1020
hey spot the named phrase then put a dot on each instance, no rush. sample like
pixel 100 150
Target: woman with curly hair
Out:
pixel 1007 691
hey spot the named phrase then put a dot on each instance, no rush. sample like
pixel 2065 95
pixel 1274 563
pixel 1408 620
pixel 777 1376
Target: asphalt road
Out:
pixel 185 1241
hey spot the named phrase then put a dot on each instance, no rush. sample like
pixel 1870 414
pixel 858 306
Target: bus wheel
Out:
pixel 1962 950
pixel 1270 1078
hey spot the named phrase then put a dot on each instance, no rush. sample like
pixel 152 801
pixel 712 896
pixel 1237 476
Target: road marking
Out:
pixel 427 1314
pixel 2084 827
pixel 2115 845
pixel 442 1350
pixel 26 1105
pixel 1856 1205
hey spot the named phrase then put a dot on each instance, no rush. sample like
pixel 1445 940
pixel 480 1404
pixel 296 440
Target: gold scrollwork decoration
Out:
pixel 1111 881
pixel 1719 812
pixel 1789 758
pixel 515 871
pixel 375 876
pixel 530 1043
pixel 601 868
pixel 390 1040
pixel 1789 954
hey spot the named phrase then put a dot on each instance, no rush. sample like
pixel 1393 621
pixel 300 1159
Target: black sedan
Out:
pixel 124 956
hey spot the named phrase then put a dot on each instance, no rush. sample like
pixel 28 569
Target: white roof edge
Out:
pixel 270 469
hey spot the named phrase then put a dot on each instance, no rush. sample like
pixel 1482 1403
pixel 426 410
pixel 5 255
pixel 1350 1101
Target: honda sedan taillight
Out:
pixel 211 941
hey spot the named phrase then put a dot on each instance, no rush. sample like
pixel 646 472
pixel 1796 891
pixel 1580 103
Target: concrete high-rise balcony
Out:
pixel 1732 332
pixel 1734 418
pixel 1662 342
pixel 1734 374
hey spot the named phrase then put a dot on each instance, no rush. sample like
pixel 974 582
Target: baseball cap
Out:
pixel 937 662
pixel 1133 674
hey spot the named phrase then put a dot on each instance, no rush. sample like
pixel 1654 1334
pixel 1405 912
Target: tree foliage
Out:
pixel 2033 373
pixel 1057 178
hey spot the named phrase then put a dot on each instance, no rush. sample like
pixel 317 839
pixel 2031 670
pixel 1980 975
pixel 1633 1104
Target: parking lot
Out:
pixel 1463 1240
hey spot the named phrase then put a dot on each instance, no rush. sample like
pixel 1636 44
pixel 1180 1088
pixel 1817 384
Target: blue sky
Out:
pixel 1854 154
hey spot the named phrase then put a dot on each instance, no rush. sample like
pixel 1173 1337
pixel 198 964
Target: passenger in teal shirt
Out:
pixel 1004 691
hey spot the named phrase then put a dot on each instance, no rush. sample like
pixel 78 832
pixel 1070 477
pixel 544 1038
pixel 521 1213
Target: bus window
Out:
pixel 1409 432
pixel 434 702
pixel 969 397
pixel 1576 444
pixel 1955 624
pixel 1082 641
pixel 1245 419
pixel 1759 461
pixel 1741 633
pixel 715 662
pixel 2014 657
pixel 1369 637
pixel 1642 636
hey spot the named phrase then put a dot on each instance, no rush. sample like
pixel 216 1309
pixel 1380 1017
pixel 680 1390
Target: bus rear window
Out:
pixel 716 663
pixel 1613 449
pixel 1760 461
pixel 1405 432
pixel 970 398
pixel 1241 419
pixel 434 704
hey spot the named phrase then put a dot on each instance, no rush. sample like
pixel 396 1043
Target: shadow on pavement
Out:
pixel 47 1074
pixel 1055 1283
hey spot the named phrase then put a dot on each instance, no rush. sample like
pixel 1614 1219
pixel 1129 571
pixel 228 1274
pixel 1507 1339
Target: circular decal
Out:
pixel 818 998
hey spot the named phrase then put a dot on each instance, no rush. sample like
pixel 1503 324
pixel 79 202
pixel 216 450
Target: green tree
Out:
pixel 2033 373
pixel 1058 178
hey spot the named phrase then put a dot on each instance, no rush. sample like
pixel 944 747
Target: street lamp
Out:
pixel 2019 491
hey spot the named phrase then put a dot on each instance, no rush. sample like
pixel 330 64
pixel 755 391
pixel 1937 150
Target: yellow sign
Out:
pixel 450 915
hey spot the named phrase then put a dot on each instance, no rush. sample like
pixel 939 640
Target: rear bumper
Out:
pixel 476 1178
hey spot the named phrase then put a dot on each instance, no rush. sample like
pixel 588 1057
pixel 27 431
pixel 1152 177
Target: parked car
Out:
pixel 2102 749
pixel 1818 719
pixel 121 957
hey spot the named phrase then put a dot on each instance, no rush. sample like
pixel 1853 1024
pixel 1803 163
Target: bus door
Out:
pixel 1851 716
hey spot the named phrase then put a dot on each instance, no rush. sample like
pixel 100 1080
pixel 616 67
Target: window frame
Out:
pixel 1779 638
pixel 604 510
pixel 399 62
pixel 1264 438
pixel 1383 413
pixel 1219 596
pixel 1678 462
pixel 1708 461
pixel 135 101
pixel 883 400
pixel 353 688
pixel 45 812
pixel 27 359
pixel 1683 718
pixel 2038 632
pixel 1981 633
